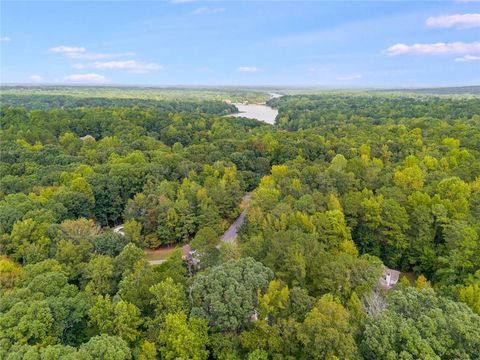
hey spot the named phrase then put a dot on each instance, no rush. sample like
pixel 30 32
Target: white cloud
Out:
pixel 131 65
pixel 467 58
pixel 208 10
pixel 5 39
pixel 79 52
pixel 248 69
pixel 434 49
pixel 86 78
pixel 460 21
pixel 350 77
pixel 95 56
pixel 35 78
pixel 67 49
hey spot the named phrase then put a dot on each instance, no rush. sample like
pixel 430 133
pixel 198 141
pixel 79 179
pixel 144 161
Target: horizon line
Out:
pixel 264 86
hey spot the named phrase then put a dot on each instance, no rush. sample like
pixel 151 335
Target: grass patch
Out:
pixel 159 254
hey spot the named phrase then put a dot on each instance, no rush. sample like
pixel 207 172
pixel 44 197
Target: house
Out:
pixel 87 137
pixel 120 229
pixel 389 278
pixel 191 257
pixel 254 316
pixel 186 249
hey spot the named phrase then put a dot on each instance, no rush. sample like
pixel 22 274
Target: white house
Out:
pixel 389 278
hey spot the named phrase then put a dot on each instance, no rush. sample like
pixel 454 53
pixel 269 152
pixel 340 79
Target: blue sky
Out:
pixel 179 42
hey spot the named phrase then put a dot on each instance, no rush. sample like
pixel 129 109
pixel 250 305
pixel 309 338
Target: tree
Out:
pixel 9 271
pixel 205 239
pixel 327 332
pixel 30 323
pixel 461 252
pixel 31 271
pixel 258 354
pixel 105 347
pixel 29 241
pixel 168 297
pixel 99 275
pixel 133 232
pixel 174 268
pixel 274 301
pixel 287 253
pixel 183 339
pixel 410 178
pixel 453 194
pixel 72 256
pixel 185 226
pixel 207 212
pixel 168 219
pixel 50 352
pixel 390 336
pixel 127 321
pixel 470 295
pixel 76 202
pixel 73 248
pixel 392 231
pixel 341 274
pixel 205 243
pixel 224 346
pixel 58 351
pixel 108 243
pixel 299 303
pixel 121 319
pixel 79 184
pixel 135 285
pixel 147 351
pixel 420 323
pixel 332 228
pixel 52 284
pixel 422 252
pixel 78 230
pixel 69 310
pixel 125 261
pixel 227 295
pixel 228 251
pixel 13 208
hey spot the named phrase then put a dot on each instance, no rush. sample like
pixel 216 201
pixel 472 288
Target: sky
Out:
pixel 337 44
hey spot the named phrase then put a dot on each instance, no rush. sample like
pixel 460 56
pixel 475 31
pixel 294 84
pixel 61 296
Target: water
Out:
pixel 275 95
pixel 260 112
pixel 256 111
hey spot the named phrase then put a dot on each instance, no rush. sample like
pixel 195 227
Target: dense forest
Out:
pixel 199 95
pixel 343 187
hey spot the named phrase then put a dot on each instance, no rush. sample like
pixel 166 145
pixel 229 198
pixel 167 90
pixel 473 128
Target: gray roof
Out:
pixel 394 276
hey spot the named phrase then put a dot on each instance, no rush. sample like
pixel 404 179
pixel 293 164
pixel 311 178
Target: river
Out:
pixel 260 112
